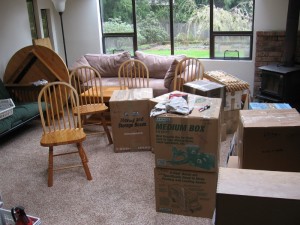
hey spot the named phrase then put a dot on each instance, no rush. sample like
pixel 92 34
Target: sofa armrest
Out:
pixel 24 92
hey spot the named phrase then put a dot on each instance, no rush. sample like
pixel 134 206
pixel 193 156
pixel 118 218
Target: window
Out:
pixel 30 9
pixel 197 28
pixel 44 15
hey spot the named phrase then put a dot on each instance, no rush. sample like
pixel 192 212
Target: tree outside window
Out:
pixel 197 28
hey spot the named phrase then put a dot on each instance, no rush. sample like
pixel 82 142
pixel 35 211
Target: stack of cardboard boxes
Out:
pixel 186 149
pixel 261 183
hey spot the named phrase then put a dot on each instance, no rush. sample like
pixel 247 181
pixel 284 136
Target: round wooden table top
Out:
pixel 33 63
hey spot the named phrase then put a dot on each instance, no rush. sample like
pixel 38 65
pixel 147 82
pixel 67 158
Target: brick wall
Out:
pixel 269 50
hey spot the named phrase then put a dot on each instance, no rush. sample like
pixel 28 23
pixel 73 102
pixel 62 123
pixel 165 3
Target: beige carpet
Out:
pixel 121 192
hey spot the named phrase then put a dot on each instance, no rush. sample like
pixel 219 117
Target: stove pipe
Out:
pixel 291 33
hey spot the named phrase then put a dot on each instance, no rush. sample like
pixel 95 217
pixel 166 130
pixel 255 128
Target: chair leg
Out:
pixel 50 167
pixel 84 161
pixel 106 129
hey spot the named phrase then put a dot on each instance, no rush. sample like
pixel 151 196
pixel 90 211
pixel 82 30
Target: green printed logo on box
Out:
pixel 192 156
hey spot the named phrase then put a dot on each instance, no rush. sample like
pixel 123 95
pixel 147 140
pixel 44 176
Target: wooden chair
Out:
pixel 133 74
pixel 187 70
pixel 63 128
pixel 87 81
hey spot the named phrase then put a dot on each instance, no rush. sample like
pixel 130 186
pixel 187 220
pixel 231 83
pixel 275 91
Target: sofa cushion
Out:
pixel 3 92
pixel 79 62
pixel 158 87
pixel 158 65
pixel 21 113
pixel 107 64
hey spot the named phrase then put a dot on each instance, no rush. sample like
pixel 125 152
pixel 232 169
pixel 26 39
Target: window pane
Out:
pixel 45 22
pixel 191 28
pixel 117 16
pixel 232 46
pixel 233 15
pixel 31 19
pixel 118 44
pixel 153 26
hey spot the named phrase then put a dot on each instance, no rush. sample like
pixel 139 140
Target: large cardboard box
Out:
pixel 188 142
pixel 269 140
pixel 255 197
pixel 129 110
pixel 206 88
pixel 233 162
pixel 188 193
pixel 231 119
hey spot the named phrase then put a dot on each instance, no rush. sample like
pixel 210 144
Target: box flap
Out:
pixel 260 183
pixel 132 94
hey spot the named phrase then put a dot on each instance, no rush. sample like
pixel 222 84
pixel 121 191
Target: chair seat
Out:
pixel 61 137
pixel 92 108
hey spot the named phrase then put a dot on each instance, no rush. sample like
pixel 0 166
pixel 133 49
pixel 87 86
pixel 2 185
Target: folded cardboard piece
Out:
pixel 187 142
pixel 269 140
pixel 251 197
pixel 130 119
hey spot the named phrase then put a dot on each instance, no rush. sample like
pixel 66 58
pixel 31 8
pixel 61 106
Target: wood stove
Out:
pixel 280 84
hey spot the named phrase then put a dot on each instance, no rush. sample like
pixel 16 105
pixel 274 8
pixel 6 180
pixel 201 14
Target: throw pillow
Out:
pixel 78 63
pixel 157 65
pixel 107 64
pixel 170 74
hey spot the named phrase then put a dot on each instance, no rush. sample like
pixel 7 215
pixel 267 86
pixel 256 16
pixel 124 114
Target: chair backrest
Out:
pixel 87 81
pixel 133 74
pixel 188 69
pixel 60 100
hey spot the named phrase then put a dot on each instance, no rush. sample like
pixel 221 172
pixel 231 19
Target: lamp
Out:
pixel 60 8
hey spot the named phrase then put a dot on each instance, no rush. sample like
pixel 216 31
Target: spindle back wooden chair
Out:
pixel 187 70
pixel 133 74
pixel 61 125
pixel 88 84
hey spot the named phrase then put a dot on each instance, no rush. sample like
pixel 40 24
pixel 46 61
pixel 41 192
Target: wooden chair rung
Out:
pixel 67 167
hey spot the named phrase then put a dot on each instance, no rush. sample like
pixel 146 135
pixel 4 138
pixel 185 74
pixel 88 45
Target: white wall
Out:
pixel 82 28
pixel 82 31
pixel 14 30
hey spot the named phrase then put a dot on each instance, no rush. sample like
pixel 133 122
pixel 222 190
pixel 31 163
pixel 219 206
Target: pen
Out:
pixel 204 108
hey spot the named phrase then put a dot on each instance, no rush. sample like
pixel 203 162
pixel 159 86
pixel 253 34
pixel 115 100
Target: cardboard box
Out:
pixel 257 105
pixel 130 114
pixel 269 139
pixel 188 193
pixel 233 162
pixel 206 88
pixel 188 142
pixel 231 119
pixel 233 100
pixel 254 197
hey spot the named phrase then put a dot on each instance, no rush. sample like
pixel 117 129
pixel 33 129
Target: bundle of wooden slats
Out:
pixel 231 82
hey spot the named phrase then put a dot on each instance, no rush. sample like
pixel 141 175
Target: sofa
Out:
pixel 23 112
pixel 161 68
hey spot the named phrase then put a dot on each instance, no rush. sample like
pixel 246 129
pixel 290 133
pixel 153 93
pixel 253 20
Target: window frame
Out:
pixel 212 33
